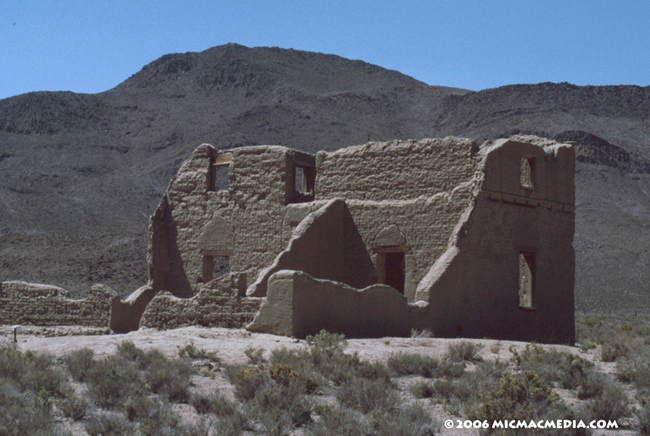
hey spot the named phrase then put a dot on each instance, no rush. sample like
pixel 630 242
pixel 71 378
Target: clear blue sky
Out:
pixel 91 46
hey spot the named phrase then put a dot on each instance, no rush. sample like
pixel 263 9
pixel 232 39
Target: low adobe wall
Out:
pixel 299 305
pixel 44 305
pixel 220 303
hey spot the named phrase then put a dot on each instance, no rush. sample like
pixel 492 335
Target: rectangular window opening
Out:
pixel 527 173
pixel 219 169
pixel 304 180
pixel 214 267
pixel 526 279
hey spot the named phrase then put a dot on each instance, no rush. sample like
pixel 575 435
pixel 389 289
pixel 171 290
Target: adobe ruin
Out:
pixel 370 240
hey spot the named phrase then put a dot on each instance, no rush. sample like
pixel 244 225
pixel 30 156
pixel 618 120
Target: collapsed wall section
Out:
pixel 43 305
pixel 219 303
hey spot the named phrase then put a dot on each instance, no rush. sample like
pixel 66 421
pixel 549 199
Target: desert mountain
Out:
pixel 81 173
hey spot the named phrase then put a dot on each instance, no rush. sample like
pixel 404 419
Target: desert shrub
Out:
pixel 34 372
pixel 154 417
pixel 170 378
pixel 13 362
pixel 301 362
pixel 615 348
pixel 20 415
pixel 328 357
pixel 247 380
pixel 213 403
pixel 520 397
pixel 338 421
pixel 634 370
pixel 411 420
pixel 464 351
pixel 109 424
pixel 373 371
pixel 413 364
pixel 367 395
pixel 284 374
pixel 279 408
pixel 612 404
pixel 232 425
pixel 72 406
pixel 643 415
pixel 568 370
pixel 423 389
pixel 128 351
pixel 44 377
pixel 79 363
pixel 426 366
pixel 112 380
pixel 190 351
pixel 255 355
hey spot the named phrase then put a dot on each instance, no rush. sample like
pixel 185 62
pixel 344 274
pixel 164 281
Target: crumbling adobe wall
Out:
pixel 473 288
pixel 43 305
pixel 325 245
pixel 261 183
pixel 299 305
pixel 422 187
pixel 219 303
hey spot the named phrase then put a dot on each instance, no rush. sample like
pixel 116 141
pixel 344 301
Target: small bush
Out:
pixel 613 404
pixel 412 420
pixel 232 425
pixel 338 421
pixel 112 380
pixel 170 379
pixel 79 363
pixel 413 364
pixel 521 397
pixel 423 389
pixel 644 420
pixel 109 424
pixel 213 403
pixel 426 366
pixel 72 406
pixel 247 381
pixel 190 351
pixel 255 355
pixel 367 395
pixel 464 351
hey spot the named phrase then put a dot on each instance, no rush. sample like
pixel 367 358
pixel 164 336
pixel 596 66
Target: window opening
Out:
pixel 214 267
pixel 526 279
pixel 304 179
pixel 527 173
pixel 394 270
pixel 219 169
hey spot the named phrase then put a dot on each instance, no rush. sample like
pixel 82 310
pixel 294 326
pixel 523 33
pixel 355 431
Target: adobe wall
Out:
pixel 219 303
pixel 472 289
pixel 261 184
pixel 422 187
pixel 33 304
pixel 326 245
pixel 299 305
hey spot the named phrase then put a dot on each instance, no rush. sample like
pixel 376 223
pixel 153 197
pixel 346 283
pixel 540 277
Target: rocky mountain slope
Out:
pixel 81 173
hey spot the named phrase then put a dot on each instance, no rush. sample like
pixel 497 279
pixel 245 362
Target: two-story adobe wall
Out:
pixel 406 198
pixel 509 272
pixel 234 215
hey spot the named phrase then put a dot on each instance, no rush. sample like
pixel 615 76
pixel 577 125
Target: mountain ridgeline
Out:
pixel 81 173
